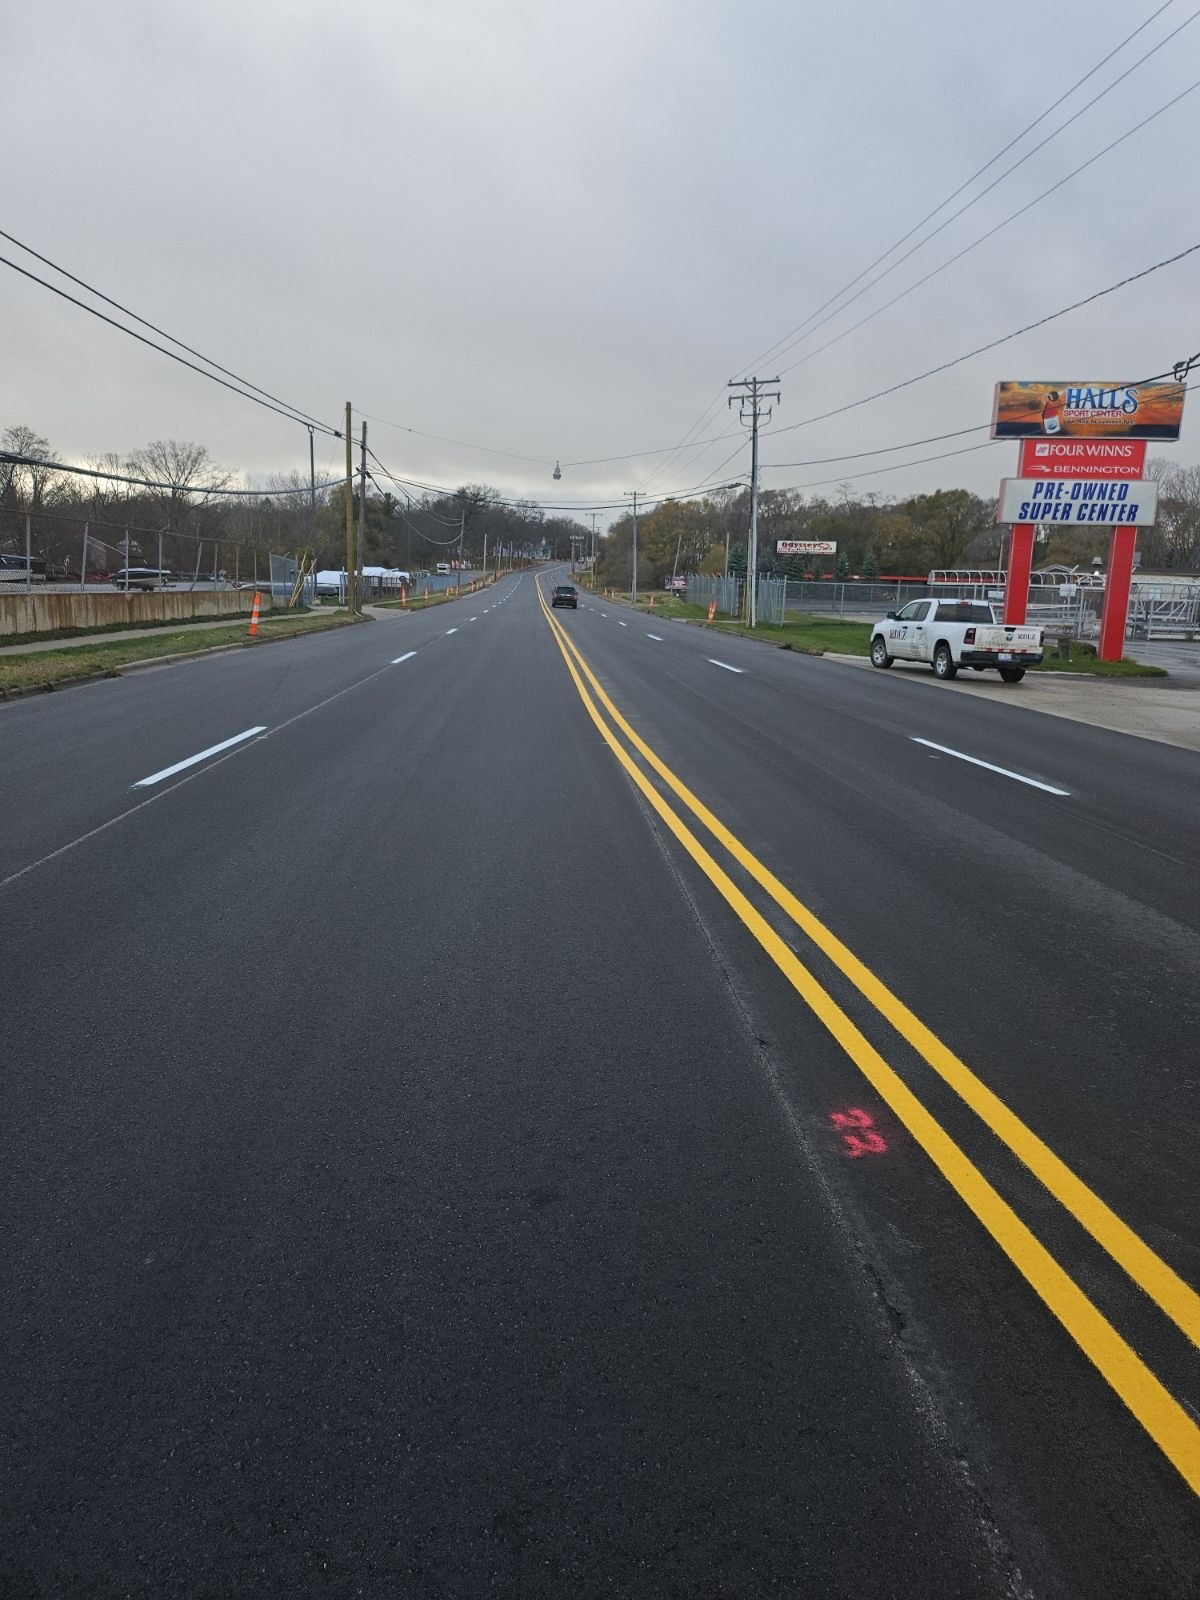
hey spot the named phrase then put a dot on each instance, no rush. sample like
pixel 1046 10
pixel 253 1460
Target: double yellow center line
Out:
pixel 1159 1413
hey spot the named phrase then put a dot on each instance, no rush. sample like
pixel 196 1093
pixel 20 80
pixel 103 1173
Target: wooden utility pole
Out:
pixel 351 597
pixel 362 508
pixel 751 402
pixel 633 494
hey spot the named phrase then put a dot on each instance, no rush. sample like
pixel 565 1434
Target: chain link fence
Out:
pixel 702 590
pixel 84 553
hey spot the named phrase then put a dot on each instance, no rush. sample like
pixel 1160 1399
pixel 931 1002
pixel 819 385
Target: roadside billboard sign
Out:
pixel 1087 410
pixel 1108 502
pixel 1082 458
pixel 806 547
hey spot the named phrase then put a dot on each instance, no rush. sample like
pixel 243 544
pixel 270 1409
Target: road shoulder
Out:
pixel 1149 708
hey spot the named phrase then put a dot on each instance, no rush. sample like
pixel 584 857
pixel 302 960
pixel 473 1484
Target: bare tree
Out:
pixel 22 485
pixel 1174 541
pixel 187 469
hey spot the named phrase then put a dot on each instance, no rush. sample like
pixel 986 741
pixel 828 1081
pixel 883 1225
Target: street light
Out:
pixel 557 473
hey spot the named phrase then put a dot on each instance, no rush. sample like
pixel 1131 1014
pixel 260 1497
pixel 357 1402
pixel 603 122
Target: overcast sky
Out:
pixel 557 229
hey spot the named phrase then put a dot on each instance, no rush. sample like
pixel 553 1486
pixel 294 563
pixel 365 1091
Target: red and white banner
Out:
pixel 1082 458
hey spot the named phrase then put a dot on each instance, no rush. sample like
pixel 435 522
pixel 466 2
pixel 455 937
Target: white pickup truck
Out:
pixel 955 633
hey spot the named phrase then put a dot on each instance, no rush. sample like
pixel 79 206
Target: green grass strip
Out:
pixel 62 666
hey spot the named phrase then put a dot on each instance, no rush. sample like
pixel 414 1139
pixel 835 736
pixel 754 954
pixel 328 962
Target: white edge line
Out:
pixel 213 750
pixel 407 656
pixel 713 662
pixel 1017 777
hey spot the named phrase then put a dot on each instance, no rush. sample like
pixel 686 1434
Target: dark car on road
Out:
pixel 565 595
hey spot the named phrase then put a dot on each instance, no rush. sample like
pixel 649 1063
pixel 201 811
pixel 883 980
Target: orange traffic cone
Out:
pixel 254 617
pixel 712 609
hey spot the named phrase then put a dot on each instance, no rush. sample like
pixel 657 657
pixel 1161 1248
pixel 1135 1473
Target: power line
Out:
pixel 70 276
pixel 896 466
pixel 1179 372
pixel 783 344
pixel 992 344
pixel 881 450
pixel 411 526
pixel 786 341
pixel 441 438
pixel 54 514
pixel 983 237
pixel 448 522
pixel 150 483
pixel 246 394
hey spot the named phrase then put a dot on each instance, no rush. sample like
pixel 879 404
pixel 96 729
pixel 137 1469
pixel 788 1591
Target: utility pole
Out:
pixel 462 528
pixel 751 404
pixel 362 511
pixel 351 597
pixel 634 495
pixel 312 507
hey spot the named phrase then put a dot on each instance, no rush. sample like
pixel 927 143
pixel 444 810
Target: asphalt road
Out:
pixel 423 1176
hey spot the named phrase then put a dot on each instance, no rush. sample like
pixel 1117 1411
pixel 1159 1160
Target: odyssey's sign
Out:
pixel 1087 410
pixel 1113 502
pixel 806 547
pixel 1082 458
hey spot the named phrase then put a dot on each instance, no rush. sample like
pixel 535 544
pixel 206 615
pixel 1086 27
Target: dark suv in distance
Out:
pixel 565 595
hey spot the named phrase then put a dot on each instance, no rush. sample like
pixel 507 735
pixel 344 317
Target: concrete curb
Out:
pixel 161 661
pixel 1073 677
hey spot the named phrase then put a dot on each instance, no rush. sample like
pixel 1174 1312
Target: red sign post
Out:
pixel 1117 584
pixel 1020 565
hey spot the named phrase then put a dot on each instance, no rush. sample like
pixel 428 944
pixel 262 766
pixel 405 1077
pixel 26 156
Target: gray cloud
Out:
pixel 558 229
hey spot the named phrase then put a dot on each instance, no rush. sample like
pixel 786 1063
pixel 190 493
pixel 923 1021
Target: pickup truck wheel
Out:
pixel 879 652
pixel 943 662
pixel 1012 674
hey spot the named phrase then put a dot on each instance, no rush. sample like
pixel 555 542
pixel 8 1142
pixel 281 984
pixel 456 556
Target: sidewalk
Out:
pixel 34 646
pixel 1150 708
pixel 84 639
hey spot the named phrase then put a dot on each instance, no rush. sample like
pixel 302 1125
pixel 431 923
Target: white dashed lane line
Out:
pixel 407 656
pixel 203 755
pixel 449 631
pixel 1003 772
pixel 713 662
pixel 657 636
